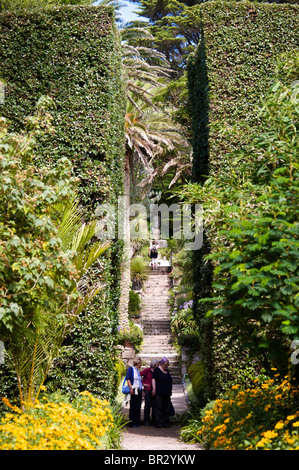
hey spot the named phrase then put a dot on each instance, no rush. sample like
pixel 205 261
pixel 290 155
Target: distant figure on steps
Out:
pixel 153 254
pixel 164 262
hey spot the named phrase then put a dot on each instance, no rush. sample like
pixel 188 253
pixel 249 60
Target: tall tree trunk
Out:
pixel 125 282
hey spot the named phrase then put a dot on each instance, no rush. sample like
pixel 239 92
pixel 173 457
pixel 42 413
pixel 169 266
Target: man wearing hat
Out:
pixel 162 390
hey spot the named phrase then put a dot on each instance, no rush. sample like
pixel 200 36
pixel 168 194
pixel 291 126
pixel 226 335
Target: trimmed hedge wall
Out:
pixel 72 53
pixel 233 67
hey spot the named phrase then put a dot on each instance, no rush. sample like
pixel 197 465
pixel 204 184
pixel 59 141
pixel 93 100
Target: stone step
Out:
pixel 155 297
pixel 158 281
pixel 155 304
pixel 160 339
pixel 152 320
pixel 174 361
pixel 149 305
pixel 157 311
pixel 155 308
pixel 174 365
pixel 152 288
pixel 155 320
pixel 155 330
pixel 158 349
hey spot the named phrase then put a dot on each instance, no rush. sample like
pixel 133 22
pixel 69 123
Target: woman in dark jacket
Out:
pixel 162 390
pixel 134 381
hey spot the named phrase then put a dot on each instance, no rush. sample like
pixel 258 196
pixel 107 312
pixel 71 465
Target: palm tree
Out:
pixel 149 133
pixel 41 340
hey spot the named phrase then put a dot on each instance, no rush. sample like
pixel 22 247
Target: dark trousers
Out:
pixel 135 409
pixel 149 404
pixel 162 410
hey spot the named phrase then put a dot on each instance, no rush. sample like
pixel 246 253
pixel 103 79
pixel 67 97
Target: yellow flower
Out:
pixel 296 424
pixel 270 434
pixel 279 425
pixel 262 442
pixel 7 403
pixel 57 426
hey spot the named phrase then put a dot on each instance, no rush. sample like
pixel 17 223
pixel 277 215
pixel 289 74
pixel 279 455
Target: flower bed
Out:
pixel 264 417
pixel 57 425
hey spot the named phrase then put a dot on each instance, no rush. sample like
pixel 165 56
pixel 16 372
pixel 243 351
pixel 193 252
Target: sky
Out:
pixel 127 12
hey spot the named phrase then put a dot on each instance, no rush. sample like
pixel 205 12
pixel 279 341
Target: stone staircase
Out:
pixel 155 320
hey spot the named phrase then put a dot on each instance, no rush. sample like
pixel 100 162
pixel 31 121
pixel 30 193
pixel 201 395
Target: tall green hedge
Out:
pixel 232 69
pixel 72 53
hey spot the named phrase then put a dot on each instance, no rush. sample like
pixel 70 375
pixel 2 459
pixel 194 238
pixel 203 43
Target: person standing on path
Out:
pixel 154 254
pixel 133 378
pixel 149 400
pixel 162 390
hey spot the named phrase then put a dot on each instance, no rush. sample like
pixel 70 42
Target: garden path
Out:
pixel 151 438
pixel 155 319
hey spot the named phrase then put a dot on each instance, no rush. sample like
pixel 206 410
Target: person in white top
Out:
pixel 133 378
pixel 164 262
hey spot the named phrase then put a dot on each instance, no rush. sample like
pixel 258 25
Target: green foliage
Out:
pixel 35 273
pixel 73 55
pixel 234 66
pixel 75 59
pixel 121 370
pixel 139 270
pixel 48 287
pixel 252 215
pixel 175 26
pixel 132 334
pixel 19 5
pixel 258 274
pixel 196 373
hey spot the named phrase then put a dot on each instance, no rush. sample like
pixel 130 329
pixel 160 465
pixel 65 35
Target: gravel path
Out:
pixel 151 438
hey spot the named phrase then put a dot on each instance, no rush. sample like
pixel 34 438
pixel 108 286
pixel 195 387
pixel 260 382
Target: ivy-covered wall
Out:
pixel 72 54
pixel 232 69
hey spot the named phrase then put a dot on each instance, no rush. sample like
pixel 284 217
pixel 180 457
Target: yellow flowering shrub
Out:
pixel 264 417
pixel 57 425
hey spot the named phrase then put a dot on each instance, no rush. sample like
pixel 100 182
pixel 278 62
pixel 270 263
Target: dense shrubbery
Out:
pixel 133 334
pixel 134 305
pixel 252 217
pixel 252 213
pixel 227 80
